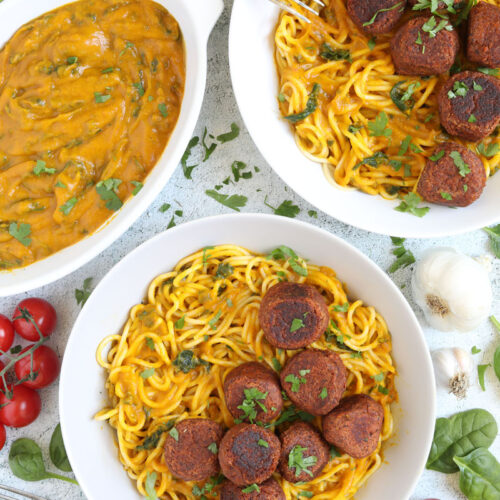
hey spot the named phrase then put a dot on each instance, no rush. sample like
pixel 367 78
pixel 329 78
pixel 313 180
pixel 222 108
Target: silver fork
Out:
pixel 282 4
pixel 23 494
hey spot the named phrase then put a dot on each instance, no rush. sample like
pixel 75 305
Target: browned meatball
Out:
pixel 457 180
pixel 483 42
pixel 314 380
pixel 190 453
pixel 258 387
pixel 375 16
pixel 304 453
pixel 469 105
pixel 269 490
pixel 249 454
pixel 354 427
pixel 415 52
pixel 293 315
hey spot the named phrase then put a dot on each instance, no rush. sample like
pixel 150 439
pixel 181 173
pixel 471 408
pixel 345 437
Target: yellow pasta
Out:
pixel 209 305
pixel 354 91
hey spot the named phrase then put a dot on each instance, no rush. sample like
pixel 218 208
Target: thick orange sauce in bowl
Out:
pixel 89 96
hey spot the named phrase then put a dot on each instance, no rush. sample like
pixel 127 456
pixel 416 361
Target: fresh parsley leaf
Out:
pixel 373 161
pixel 179 324
pixel 59 184
pixel 137 187
pixel 446 196
pixel 276 365
pixel 41 168
pixel 397 241
pixel 494 237
pixel 372 42
pixel 149 372
pixel 312 104
pixel 72 60
pixel 404 257
pixel 489 71
pixel 82 295
pixel 187 361
pixel 20 231
pixel 490 151
pixel 330 54
pixel 383 390
pixel 312 213
pixel 378 127
pixel 286 209
pixel 108 191
pixel 476 86
pixel 213 448
pixel 263 443
pixel 249 489
pixel 286 253
pixel 149 486
pixel 68 206
pixel 437 156
pixel 208 149
pixel 295 381
pixel 354 129
pixel 214 320
pixel 100 98
pixel 253 398
pixel 187 169
pixel 403 99
pixel 162 108
pixel 410 204
pixel 472 119
pixel 174 433
pixel 475 350
pixel 150 343
pixel 235 202
pixel 297 461
pixel 463 168
pixel 229 136
pixel 224 270
pixel 334 453
pixel 324 393
pixel 297 324
pixel 343 308
pixel 164 207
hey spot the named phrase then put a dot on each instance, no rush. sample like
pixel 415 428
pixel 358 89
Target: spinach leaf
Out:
pixel 479 475
pixel 312 104
pixel 459 435
pixel 330 54
pixel 58 451
pixel 26 462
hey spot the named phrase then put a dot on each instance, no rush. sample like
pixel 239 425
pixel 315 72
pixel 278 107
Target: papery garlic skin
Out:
pixel 452 367
pixel 453 290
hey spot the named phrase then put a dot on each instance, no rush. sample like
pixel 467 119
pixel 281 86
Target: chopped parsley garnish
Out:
pixel 150 343
pixel 100 98
pixel 108 191
pixel 312 104
pixel 472 119
pixel 139 87
pixel 137 187
pixel 373 161
pixel 237 168
pixel 491 150
pixel 162 108
pixel 432 27
pixel 235 202
pixel 213 448
pixel 433 5
pixel 147 373
pixel 489 71
pixel 286 253
pixel 286 209
pixel 179 324
pixel 68 206
pixel 263 443
pixel 378 377
pixel 446 196
pixel 372 42
pixel 59 184
pixel 208 149
pixel 382 389
pixel 403 148
pixel 291 414
pixel 409 203
pixel 153 439
pixel 334 453
pixel 297 461
pixel 460 89
pixel 330 54
pixel 343 308
pixel 437 156
pixel 324 393
pixel 174 433
pixel 187 361
pixel 164 207
pixel 475 350
pixel 404 257
pixel 229 136
pixel 224 270
pixel 403 99
pixel 41 168
pixel 107 70
pixel 378 127
pixel 463 168
pixel 372 20
pixel 20 231
pixel 253 397
pixel 187 169
pixel 276 365
pixel 296 381
pixel 82 295
pixel 476 86
pixel 281 97
pixel 214 320
pixel 312 213
pixel 249 489
pixel 72 60
pixel 297 324
pixel 354 129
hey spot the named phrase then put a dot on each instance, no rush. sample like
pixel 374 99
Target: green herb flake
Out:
pixel 20 231
pixel 297 461
pixel 446 196
pixel 491 150
pixel 179 324
pixel 475 350
pixel 174 433
pixel 137 187
pixel 312 104
pixel 437 156
pixel 295 381
pixel 147 373
pixel 82 295
pixel 108 191
pixel 372 20
pixel 263 443
pixel 276 365
pixel 489 71
pixel 481 370
pixel 187 169
pixel 378 127
pixel 286 209
pixel 251 488
pixel 494 238
pixel 162 108
pixel 472 119
pixel 231 135
pixel 149 486
pixel 234 202
pixel 410 204
pixel 324 393
pixel 100 98
pixel 341 308
pixel 372 42
pixel 297 324
pixel 41 168
pixel 331 54
pixel 463 168
pixel 164 207
pixel 213 448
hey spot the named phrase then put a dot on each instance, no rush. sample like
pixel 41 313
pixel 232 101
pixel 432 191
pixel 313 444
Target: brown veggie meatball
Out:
pixel 483 42
pixel 314 380
pixel 469 105
pixel 354 427
pixel 259 386
pixel 293 315
pixel 243 456
pixel 375 16
pixel 269 490
pixel 299 444
pixel 457 180
pixel 414 52
pixel 188 457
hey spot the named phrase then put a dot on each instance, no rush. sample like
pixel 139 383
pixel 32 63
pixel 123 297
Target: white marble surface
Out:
pixel 218 112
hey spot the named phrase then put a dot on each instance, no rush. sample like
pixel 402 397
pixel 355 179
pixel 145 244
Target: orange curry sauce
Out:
pixel 89 96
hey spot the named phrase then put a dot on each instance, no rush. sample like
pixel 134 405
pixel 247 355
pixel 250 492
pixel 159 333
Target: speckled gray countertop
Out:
pixel 219 111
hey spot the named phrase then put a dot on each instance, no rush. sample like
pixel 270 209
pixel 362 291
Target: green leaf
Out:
pixel 459 435
pixel 164 207
pixel 251 488
pixel 20 231
pixel 41 168
pixel 187 361
pixel 162 108
pixel 297 324
pixel 229 136
pixel 496 323
pixel 82 295
pixel 475 350
pixel 213 448
pixel 235 202
pixel 372 20
pixel 108 190
pixel 187 169
pixel 224 270
pixel 297 461
pixel 479 475
pixel 149 372
pixel 437 156
pixel 372 42
pixel 343 308
pixel 286 209
pixel 179 324
pixel 494 237
pixel 324 393
pixel 403 99
pixel 496 362
pixel 330 54
pixel 490 151
pixel 373 161
pixel 489 71
pixel 312 104
pixel 410 204
pixel 149 486
pixel 100 98
pixel 174 433
pixel 481 371
pixel 72 60
pixel 150 343
pixel 137 187
pixel 286 253
pixel 276 365
pixel 378 127
pixel 58 451
pixel 68 206
pixel 463 168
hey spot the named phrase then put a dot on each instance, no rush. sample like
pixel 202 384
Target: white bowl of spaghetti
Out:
pixel 221 329
pixel 275 59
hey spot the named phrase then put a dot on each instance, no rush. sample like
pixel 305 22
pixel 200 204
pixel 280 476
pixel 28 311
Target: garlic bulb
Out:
pixel 453 290
pixel 452 368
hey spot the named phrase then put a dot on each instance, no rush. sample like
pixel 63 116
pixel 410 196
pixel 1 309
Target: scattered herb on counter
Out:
pixel 108 191
pixel 68 206
pixel 208 149
pixel 489 151
pixel 312 104
pixel 171 224
pixel 378 127
pixel 458 435
pixel 410 203
pixel 330 54
pixel 20 231
pixel 297 461
pixel 481 371
pixel 164 207
pixel 235 202
pixel 494 237
pixel 187 169
pixel 41 168
pixel 286 209
pixel 229 136
pixel 475 350
pixel 26 462
pixel 149 486
pixel 82 295
pixel 312 213
pixel 286 253
pixel 372 20
pixel 57 451
pixel 237 168
pixel 404 257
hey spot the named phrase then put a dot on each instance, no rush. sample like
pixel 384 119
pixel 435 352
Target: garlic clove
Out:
pixel 452 367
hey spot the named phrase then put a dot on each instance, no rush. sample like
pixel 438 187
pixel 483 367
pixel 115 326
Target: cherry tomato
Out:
pixel 45 362
pixel 44 315
pixel 22 409
pixel 3 436
pixel 6 333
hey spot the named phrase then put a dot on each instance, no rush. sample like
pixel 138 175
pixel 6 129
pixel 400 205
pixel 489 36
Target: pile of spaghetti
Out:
pixel 354 78
pixel 199 322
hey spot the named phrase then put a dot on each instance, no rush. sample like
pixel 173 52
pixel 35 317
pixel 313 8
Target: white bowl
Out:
pixel 90 444
pixel 255 84
pixel 196 19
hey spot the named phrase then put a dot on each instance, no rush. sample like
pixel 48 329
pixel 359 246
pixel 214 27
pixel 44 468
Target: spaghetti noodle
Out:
pixel 208 307
pixel 356 84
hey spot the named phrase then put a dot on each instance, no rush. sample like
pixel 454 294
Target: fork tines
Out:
pixel 285 6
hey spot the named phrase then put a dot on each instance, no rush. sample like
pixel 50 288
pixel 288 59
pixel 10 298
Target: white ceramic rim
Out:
pixel 255 83
pixel 75 420
pixel 196 19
